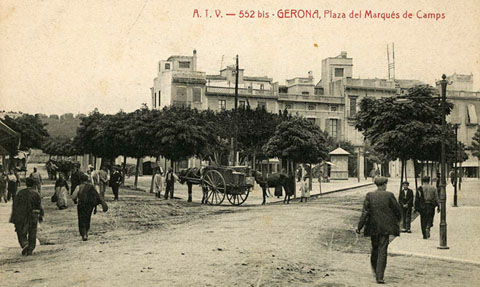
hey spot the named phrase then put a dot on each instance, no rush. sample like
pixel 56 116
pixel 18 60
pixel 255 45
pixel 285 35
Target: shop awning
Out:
pixel 8 137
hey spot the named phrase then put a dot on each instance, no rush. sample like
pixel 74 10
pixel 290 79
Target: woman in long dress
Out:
pixel 61 190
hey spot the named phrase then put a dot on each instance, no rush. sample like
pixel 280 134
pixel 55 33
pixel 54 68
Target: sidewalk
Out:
pixel 463 230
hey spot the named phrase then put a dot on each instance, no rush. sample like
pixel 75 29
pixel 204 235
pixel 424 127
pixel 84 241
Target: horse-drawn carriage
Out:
pixel 235 183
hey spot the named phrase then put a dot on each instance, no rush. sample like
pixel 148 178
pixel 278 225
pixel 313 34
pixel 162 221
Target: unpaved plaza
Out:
pixel 142 241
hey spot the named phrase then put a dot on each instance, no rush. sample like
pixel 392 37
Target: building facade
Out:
pixel 332 103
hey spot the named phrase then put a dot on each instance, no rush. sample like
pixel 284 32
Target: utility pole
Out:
pixel 235 117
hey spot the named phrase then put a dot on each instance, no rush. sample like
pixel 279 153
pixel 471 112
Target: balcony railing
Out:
pixel 241 91
pixel 311 98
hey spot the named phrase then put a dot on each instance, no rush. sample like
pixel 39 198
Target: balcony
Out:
pixel 241 92
pixel 189 77
pixel 376 84
pixel 311 99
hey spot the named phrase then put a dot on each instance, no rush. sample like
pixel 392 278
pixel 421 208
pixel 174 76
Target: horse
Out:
pixel 277 180
pixel 191 176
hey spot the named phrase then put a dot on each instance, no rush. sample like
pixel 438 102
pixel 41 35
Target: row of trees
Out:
pixel 408 128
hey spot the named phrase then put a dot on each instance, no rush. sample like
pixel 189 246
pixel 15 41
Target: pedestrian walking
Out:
pixel 27 211
pixel 170 178
pixel 3 185
pixel 405 198
pixel 37 179
pixel 115 182
pixel 453 178
pixel 103 176
pixel 88 199
pixel 12 184
pixel 426 199
pixel 304 189
pixel 159 182
pixel 75 178
pixel 61 191
pixel 381 215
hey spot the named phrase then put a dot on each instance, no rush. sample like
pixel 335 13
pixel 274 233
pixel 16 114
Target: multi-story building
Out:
pixel 300 97
pixel 332 103
pixel 466 105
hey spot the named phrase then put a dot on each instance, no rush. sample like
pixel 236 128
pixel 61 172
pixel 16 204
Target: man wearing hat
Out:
pixel 426 200
pixel 405 198
pixel 27 211
pixel 381 215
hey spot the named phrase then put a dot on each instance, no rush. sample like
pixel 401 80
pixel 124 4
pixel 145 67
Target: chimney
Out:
pixel 194 64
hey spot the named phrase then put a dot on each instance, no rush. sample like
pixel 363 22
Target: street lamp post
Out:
pixel 443 197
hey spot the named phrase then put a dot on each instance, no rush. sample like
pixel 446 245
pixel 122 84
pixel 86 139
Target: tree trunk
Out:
pixel 401 177
pixel 310 178
pixel 94 162
pixel 406 174
pixel 415 173
pixel 294 167
pixel 124 168
pixel 136 173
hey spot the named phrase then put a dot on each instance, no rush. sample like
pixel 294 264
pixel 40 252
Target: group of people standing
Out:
pixel 165 182
pixel 9 183
pixel 382 213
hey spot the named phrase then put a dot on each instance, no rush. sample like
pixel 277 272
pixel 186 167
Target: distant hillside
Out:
pixel 61 126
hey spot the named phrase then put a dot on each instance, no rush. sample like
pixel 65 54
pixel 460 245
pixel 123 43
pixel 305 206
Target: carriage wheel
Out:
pixel 215 184
pixel 238 199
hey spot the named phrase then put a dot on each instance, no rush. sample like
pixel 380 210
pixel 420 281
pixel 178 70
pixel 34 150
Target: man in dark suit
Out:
pixel 405 198
pixel 381 215
pixel 27 211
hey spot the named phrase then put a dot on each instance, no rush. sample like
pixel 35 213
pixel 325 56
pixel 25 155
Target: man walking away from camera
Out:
pixel 27 211
pixel 381 215
pixel 426 199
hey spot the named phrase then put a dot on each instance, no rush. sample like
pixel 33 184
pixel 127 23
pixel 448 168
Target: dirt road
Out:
pixel 146 242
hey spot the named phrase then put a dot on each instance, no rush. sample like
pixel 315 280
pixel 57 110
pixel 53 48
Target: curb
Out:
pixel 442 258
pixel 328 192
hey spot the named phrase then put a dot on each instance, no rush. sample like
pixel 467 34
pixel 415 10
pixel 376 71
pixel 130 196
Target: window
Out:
pixel 472 115
pixel 222 104
pixel 338 72
pixel 241 104
pixel 262 105
pixel 154 100
pixel 181 94
pixel 197 95
pixel 333 108
pixel 159 98
pixel 167 66
pixel 262 87
pixel 332 127
pixel 311 107
pixel 312 120
pixel 353 106
pixel 184 65
pixel 305 93
pixel 288 106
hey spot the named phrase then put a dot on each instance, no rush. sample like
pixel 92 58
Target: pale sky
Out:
pixel 72 56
